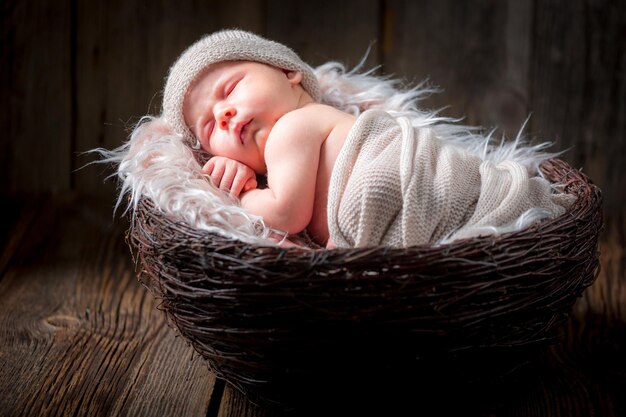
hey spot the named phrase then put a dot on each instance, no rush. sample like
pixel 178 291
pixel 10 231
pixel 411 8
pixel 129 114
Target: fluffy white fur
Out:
pixel 156 163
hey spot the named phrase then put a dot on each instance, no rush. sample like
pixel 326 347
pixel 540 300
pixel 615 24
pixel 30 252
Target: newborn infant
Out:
pixel 376 179
pixel 257 119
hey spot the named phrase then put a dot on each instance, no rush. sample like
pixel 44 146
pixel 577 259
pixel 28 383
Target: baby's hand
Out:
pixel 230 175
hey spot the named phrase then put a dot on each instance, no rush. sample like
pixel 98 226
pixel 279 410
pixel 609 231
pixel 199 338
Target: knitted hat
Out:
pixel 226 45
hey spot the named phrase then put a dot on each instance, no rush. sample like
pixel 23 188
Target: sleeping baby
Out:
pixel 348 180
pixel 257 119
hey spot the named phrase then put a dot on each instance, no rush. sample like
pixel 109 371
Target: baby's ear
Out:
pixel 295 77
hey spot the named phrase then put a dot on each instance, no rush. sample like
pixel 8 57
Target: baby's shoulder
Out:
pixel 302 119
pixel 314 117
pixel 306 129
pixel 317 111
pixel 297 127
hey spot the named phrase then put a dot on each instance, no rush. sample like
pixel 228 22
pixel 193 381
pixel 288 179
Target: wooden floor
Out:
pixel 80 336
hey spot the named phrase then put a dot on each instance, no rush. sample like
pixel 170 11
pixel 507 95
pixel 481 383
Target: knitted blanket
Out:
pixel 397 185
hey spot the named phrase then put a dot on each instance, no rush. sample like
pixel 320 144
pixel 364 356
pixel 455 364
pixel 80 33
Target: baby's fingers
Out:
pixel 239 183
pixel 227 179
pixel 209 166
pixel 217 173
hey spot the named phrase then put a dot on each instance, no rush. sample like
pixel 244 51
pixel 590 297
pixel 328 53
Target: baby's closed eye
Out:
pixel 230 87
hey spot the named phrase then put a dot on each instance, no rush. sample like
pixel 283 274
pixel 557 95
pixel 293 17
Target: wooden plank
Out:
pixel 36 96
pixel 476 52
pixel 235 404
pixel 124 51
pixel 578 87
pixel 80 335
pixel 327 30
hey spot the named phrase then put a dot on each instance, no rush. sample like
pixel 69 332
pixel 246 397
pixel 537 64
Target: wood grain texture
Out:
pixel 124 51
pixel 79 335
pixel 578 87
pixel 235 404
pixel 35 79
pixel 476 52
pixel 327 30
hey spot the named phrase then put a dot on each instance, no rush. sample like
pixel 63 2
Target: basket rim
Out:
pixel 574 181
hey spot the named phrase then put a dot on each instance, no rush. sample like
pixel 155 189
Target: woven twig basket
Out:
pixel 267 319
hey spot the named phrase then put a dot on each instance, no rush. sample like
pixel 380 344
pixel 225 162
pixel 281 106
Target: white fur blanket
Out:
pixel 398 185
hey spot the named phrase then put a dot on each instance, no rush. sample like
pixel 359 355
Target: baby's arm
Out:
pixel 230 175
pixel 292 157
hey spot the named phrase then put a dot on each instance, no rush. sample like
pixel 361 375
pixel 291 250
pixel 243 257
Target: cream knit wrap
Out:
pixel 396 185
pixel 222 46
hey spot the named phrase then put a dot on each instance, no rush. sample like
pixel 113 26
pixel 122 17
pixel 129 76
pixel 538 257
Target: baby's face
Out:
pixel 233 107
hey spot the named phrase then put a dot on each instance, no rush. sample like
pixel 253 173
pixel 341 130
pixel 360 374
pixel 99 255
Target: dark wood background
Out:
pixel 77 74
pixel 78 335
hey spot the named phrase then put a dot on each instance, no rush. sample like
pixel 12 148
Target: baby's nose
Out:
pixel 225 117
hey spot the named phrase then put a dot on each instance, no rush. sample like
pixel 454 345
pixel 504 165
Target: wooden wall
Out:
pixel 77 74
